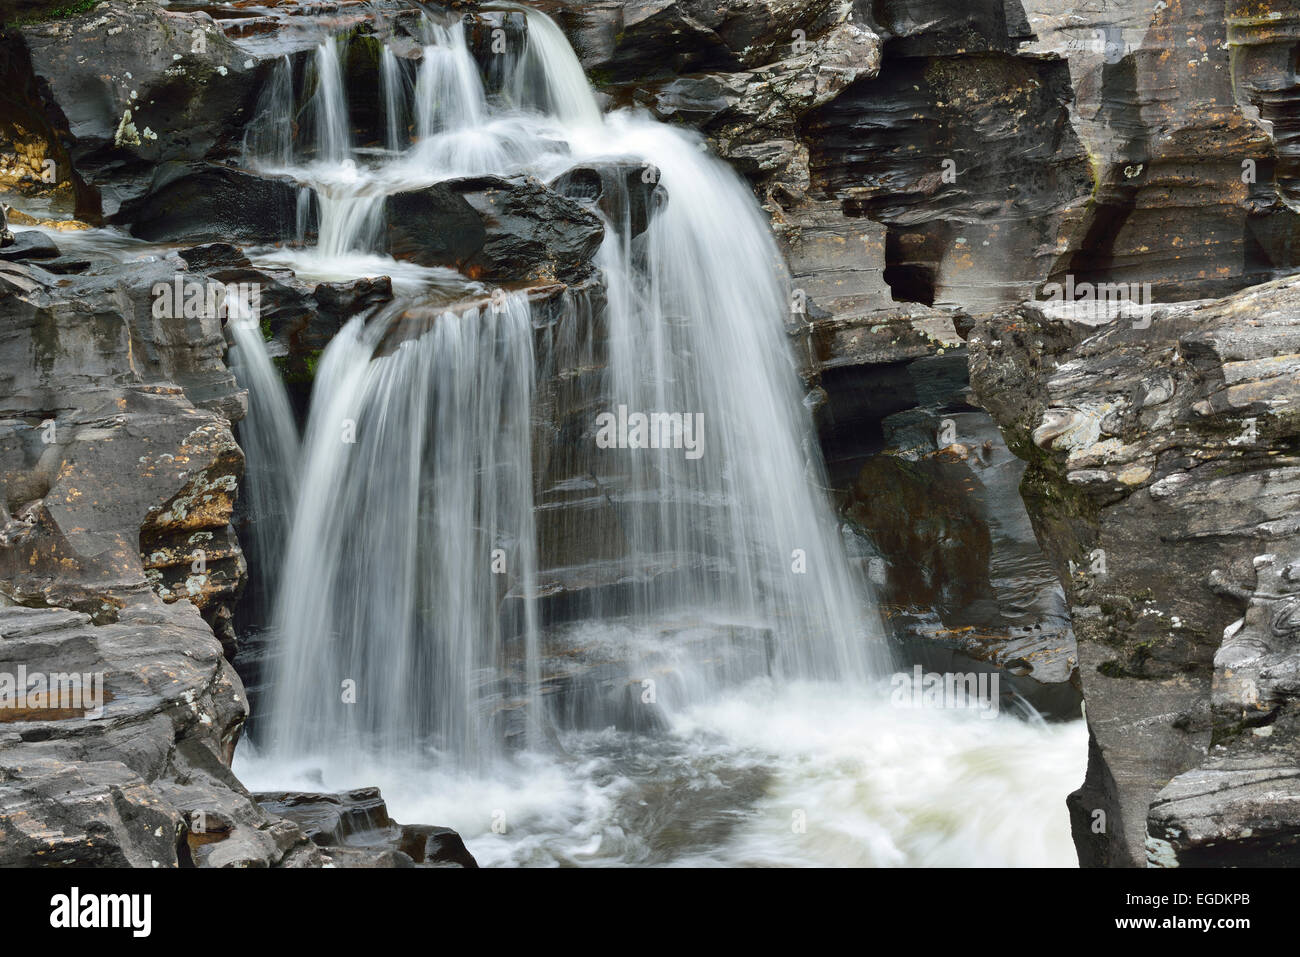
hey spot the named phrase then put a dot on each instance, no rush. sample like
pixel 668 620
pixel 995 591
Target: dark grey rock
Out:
pixel 209 203
pixel 495 228
pixel 29 244
pixel 353 829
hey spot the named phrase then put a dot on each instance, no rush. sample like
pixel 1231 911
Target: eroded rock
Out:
pixel 1162 480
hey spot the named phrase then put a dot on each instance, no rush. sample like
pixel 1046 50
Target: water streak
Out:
pixel 269 438
pixel 415 486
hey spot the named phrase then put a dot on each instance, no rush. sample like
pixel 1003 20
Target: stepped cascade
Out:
pixel 417 636
pixel 401 600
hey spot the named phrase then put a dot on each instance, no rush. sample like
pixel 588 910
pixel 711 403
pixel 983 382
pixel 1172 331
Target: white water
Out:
pixel 415 467
pixel 270 442
pixel 877 787
pixel 387 582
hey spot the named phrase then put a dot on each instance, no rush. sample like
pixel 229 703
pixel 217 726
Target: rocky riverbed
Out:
pixel 1097 500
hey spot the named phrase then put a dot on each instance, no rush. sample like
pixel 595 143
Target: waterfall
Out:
pixel 414 523
pixel 269 137
pixel 421 643
pixel 269 438
pixel 700 327
pixel 550 77
pixel 393 84
pixel 448 90
pixel 407 616
pixel 388 588
pixel 327 111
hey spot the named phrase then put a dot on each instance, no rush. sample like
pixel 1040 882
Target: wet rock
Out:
pixel 426 844
pixel 1162 483
pixel 531 232
pixel 646 38
pixel 345 299
pixel 625 193
pixel 953 557
pixel 140 778
pixel 495 38
pixel 365 857
pixel 30 244
pixel 353 829
pixel 215 256
pixel 336 303
pixel 491 227
pixel 329 819
pixel 132 85
pixel 434 226
pixel 360 64
pixel 208 203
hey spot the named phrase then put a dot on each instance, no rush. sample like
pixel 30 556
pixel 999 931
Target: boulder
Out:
pixel 135 772
pixel 494 228
pixel 353 829
pixel 624 193
pixel 207 203
pixel 130 85
pixel 29 244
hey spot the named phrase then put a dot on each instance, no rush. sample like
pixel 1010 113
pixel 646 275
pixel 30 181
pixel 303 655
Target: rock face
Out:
pixel 491 227
pixel 1162 482
pixel 121 569
pixel 146 783
pixel 119 475
pixel 101 391
pixel 131 86
pixel 1191 190
pixel 353 829
pixel 209 203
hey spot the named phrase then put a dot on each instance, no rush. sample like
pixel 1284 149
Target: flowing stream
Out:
pixel 723 696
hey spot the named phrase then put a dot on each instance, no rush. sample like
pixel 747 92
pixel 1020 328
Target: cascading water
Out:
pixel 327 113
pixel 270 441
pixel 412 655
pixel 549 78
pixel 415 470
pixel 699 327
pixel 393 83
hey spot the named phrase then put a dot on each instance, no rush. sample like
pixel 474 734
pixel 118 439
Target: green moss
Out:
pixel 56 10
pixel 363 53
pixel 296 370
